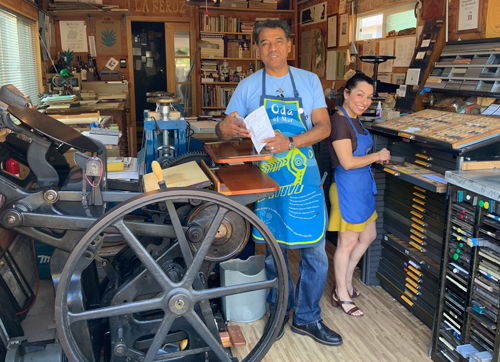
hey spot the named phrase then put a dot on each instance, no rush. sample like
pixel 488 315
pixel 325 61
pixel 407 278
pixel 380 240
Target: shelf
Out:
pixel 226 32
pixel 93 12
pixel 467 66
pixel 220 58
pixel 463 78
pixel 443 54
pixel 221 83
pixel 213 107
pixel 252 10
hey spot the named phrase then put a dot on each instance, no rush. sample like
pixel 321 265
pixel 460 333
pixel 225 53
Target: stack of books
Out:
pixel 212 46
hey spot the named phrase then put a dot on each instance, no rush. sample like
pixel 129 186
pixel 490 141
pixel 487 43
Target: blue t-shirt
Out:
pixel 246 97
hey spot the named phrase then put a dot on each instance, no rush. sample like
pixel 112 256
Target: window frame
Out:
pixel 33 48
pixel 384 12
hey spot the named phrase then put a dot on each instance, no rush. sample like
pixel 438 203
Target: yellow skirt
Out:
pixel 336 222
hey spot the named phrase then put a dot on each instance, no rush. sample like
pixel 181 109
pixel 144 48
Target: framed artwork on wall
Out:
pixel 468 15
pixel 332 32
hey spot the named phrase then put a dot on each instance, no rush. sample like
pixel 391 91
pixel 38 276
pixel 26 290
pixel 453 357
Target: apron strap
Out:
pixel 295 92
pixel 264 81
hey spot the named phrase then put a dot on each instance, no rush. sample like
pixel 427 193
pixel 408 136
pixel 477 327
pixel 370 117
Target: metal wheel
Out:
pixel 157 305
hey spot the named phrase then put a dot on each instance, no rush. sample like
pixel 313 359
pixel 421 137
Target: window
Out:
pixel 18 57
pixel 377 24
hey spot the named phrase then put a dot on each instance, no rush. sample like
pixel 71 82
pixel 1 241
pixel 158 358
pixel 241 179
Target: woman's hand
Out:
pixel 384 156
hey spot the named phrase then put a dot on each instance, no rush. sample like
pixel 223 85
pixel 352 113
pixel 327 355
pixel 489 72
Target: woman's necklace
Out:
pixel 279 90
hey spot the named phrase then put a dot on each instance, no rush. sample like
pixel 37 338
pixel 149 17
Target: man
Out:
pixel 295 214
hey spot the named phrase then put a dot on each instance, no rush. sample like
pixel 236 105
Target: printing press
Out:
pixel 156 301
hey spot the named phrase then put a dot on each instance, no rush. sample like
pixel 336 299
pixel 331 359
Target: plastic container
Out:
pixel 378 112
pixel 466 350
pixel 249 306
pixel 484 356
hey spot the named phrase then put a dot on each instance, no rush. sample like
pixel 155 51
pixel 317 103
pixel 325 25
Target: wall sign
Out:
pixel 468 15
pixel 159 6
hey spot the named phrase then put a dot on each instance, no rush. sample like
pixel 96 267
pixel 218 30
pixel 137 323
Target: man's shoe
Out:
pixel 282 329
pixel 319 332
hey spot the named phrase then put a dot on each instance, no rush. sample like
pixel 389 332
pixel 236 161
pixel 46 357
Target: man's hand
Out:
pixel 231 127
pixel 278 143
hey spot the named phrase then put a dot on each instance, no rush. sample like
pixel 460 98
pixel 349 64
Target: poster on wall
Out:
pixel 386 47
pixel 313 14
pixel 493 19
pixel 468 15
pixel 108 37
pixel 341 67
pixel 342 6
pixel 306 50
pixel 344 30
pixel 332 31
pixel 368 49
pixel 73 36
pixel 331 65
pixel 318 53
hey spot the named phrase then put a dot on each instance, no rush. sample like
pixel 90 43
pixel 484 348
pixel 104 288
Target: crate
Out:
pixel 233 48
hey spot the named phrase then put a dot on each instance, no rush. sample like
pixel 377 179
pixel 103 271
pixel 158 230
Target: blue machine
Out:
pixel 163 136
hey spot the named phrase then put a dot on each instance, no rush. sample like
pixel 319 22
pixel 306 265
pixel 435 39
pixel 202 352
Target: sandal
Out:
pixel 355 293
pixel 336 302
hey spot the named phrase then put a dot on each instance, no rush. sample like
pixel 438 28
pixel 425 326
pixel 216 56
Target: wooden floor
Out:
pixel 387 332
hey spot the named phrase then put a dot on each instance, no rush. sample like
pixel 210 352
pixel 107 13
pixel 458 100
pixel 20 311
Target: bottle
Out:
pixel 378 112
pixel 91 71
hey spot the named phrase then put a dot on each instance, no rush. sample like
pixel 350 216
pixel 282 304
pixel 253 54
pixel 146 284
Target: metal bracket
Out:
pixel 91 25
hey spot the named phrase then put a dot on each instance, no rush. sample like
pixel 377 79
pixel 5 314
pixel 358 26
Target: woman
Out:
pixel 352 196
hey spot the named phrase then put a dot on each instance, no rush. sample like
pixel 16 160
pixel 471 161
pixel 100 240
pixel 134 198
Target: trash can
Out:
pixel 249 306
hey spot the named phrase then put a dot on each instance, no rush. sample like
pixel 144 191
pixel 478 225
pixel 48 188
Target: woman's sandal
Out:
pixel 336 302
pixel 355 293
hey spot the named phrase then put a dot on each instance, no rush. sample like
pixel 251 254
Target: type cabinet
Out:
pixel 413 208
pixel 469 290
pixel 468 68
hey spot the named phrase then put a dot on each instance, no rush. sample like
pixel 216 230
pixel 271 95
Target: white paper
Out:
pixel 306 50
pixel 344 30
pixel 398 78
pixel 331 65
pixel 73 36
pixel 368 49
pixel 468 18
pixel 412 76
pixel 136 52
pixel 112 63
pixel 93 52
pixel 402 90
pixel 386 47
pixel 420 55
pixel 405 48
pixel 426 43
pixel 332 31
pixel 342 6
pixel 384 78
pixel 260 126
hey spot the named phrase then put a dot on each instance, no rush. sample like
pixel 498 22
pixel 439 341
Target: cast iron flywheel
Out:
pixel 165 297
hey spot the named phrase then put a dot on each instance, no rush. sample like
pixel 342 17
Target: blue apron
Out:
pixel 295 214
pixel 356 187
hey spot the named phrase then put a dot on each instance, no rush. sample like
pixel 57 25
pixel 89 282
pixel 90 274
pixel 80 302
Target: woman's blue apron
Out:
pixel 356 187
pixel 295 214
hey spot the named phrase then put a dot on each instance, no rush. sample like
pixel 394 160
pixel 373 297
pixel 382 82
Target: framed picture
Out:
pixel 332 32
pixel 313 14
pixel 468 15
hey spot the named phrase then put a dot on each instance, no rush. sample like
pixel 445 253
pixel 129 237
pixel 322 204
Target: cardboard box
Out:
pixel 259 5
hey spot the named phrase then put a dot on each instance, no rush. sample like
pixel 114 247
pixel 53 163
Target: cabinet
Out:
pixel 469 282
pixel 413 209
pixel 468 68
pixel 226 35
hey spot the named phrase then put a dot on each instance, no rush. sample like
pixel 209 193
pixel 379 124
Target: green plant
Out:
pixel 68 56
pixel 108 37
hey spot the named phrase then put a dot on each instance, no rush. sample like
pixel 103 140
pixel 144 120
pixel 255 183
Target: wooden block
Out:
pixel 480 165
pixel 236 336
pixel 225 339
